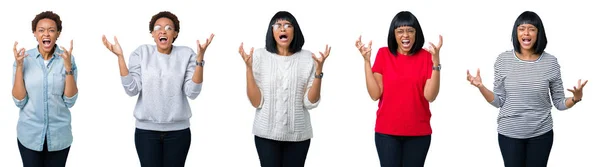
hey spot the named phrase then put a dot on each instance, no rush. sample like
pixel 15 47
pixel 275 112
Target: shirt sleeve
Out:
pixel 132 82
pixel 499 89
pixel 70 101
pixel 307 103
pixel 18 102
pixel 379 64
pixel 556 88
pixel 256 61
pixel 191 88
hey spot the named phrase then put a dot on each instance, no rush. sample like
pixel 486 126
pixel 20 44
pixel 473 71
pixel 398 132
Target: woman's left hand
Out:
pixel 435 50
pixel 202 47
pixel 321 60
pixel 66 55
pixel 578 90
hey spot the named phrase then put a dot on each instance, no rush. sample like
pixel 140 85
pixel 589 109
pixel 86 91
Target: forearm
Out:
pixel 314 94
pixel 122 66
pixel 372 85
pixel 70 86
pixel 252 89
pixel 198 75
pixel 487 94
pixel 19 92
pixel 569 102
pixel 432 86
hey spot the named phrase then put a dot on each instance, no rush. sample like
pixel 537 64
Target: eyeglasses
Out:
pixel 167 28
pixel 279 25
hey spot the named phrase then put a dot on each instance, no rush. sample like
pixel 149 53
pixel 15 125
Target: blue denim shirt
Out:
pixel 44 112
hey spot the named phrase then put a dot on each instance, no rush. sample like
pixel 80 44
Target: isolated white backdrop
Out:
pixel 464 125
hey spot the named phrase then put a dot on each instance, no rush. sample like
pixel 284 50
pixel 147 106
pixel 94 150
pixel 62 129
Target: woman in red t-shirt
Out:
pixel 410 76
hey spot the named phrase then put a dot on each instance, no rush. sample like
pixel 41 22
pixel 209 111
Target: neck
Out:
pixel 527 54
pixel 400 51
pixel 45 55
pixel 284 51
pixel 165 51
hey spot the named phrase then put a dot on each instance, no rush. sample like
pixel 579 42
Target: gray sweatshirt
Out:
pixel 162 82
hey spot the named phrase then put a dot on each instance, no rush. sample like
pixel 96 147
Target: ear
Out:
pixel 57 34
pixel 176 33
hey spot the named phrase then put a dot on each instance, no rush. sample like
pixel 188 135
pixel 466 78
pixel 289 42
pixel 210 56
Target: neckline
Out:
pixel 527 61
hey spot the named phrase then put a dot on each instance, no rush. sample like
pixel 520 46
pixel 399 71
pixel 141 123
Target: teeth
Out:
pixel 161 38
pixel 45 40
pixel 406 40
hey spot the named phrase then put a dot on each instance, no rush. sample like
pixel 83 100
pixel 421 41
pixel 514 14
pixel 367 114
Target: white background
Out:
pixel 464 125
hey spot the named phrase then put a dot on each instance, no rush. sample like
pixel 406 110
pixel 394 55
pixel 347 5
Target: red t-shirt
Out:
pixel 403 109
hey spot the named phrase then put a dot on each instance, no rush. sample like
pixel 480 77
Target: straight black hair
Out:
pixel 405 18
pixel 529 17
pixel 297 42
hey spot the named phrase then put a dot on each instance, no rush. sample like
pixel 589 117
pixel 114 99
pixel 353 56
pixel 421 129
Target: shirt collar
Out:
pixel 57 51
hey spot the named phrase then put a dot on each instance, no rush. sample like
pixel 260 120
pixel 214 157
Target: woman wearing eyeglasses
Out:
pixel 163 76
pixel 283 84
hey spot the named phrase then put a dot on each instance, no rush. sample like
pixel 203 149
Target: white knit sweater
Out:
pixel 284 82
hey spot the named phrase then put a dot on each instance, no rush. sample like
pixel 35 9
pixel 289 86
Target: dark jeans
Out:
pixel 44 158
pixel 531 152
pixel 162 149
pixel 402 151
pixel 272 153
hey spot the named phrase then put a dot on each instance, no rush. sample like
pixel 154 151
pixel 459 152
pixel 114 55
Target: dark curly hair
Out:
pixel 46 15
pixel 168 15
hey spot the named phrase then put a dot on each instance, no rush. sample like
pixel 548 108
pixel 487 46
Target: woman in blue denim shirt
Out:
pixel 44 89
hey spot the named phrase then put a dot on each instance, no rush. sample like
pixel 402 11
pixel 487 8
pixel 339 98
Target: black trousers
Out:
pixel 531 152
pixel 402 151
pixel 274 153
pixel 43 158
pixel 162 149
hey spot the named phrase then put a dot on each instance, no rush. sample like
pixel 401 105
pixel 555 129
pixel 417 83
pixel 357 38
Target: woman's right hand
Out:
pixel 365 51
pixel 115 48
pixel 474 80
pixel 246 56
pixel 19 55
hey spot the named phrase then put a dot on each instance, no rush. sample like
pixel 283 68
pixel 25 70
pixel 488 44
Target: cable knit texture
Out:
pixel 284 82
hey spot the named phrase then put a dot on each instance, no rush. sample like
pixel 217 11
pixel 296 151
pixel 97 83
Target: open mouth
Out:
pixel 283 38
pixel 405 43
pixel 162 39
pixel 47 42
pixel 526 41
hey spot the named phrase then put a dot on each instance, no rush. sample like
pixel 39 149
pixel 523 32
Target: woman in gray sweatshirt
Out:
pixel 163 76
pixel 527 81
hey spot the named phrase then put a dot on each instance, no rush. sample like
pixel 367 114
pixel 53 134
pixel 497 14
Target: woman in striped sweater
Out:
pixel 523 79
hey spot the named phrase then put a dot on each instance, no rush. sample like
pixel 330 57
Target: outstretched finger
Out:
pixel 15 47
pixel 441 42
pixel 116 41
pixel 370 43
pixel 251 51
pixel 315 57
pixel 209 40
pixel 71 48
pixel 582 85
pixel 478 73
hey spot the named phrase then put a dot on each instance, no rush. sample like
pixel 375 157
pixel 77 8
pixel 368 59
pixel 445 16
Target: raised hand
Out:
pixel 66 55
pixel 114 48
pixel 321 60
pixel 435 50
pixel 474 80
pixel 578 90
pixel 365 51
pixel 246 56
pixel 19 54
pixel 202 47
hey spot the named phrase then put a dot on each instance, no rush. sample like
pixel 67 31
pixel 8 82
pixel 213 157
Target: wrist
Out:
pixel 575 100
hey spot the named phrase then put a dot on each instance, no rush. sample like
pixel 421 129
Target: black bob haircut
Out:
pixel 297 42
pixel 529 17
pixel 405 18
